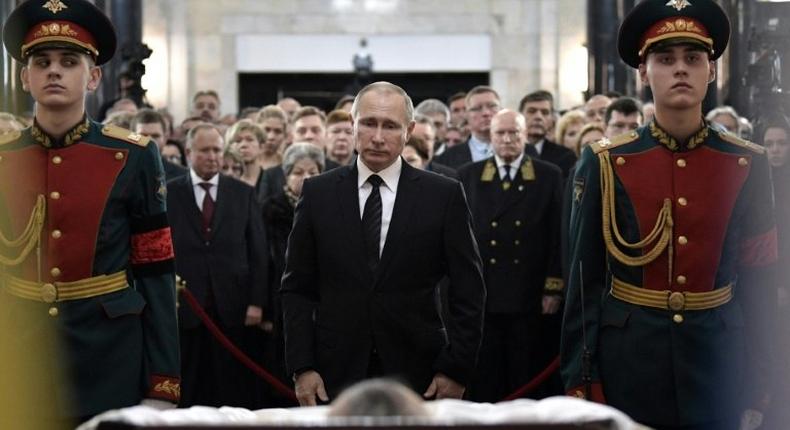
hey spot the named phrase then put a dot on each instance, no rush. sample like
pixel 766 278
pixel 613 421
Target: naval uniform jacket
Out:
pixel 659 366
pixel 104 197
pixel 517 229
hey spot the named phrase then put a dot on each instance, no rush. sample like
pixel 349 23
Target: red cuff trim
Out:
pixel 152 246
pixel 596 393
pixel 759 251
pixel 165 388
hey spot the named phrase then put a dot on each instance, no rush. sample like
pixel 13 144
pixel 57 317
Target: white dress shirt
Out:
pixel 500 166
pixel 200 193
pixel 387 190
pixel 539 146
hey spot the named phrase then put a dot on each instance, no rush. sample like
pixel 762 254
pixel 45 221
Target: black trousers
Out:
pixel 506 356
pixel 210 375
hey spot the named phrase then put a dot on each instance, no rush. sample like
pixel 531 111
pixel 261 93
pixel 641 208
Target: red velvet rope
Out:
pixel 531 385
pixel 288 392
pixel 234 350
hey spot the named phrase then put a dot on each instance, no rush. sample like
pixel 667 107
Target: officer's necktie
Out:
pixel 371 222
pixel 506 177
pixel 207 208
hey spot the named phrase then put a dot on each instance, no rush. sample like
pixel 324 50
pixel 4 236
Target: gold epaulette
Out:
pixel 9 137
pixel 735 140
pixel 125 135
pixel 606 144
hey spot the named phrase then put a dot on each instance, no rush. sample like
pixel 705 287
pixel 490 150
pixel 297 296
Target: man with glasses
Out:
pixel 538 109
pixel 482 103
pixel 622 116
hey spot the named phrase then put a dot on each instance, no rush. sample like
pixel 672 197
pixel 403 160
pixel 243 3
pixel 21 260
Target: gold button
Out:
pixel 681 162
pixel 56 159
pixel 517 242
pixel 494 224
pixel 678 318
pixel 743 162
pixel 681 279
pixel 493 243
pixel 55 272
pixel 119 155
pixel 518 223
pixel 516 261
pixel 683 240
pixel 56 234
pixel 1 158
pixel 54 195
pixel 492 261
pixel 48 293
pixel 620 161
pixel 676 301
pixel 682 201
pixel 53 312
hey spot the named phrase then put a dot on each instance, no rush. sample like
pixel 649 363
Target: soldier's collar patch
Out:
pixel 72 136
pixel 489 171
pixel 672 144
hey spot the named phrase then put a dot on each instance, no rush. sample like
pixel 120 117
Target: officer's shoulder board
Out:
pixel 735 140
pixel 606 144
pixel 10 137
pixel 126 135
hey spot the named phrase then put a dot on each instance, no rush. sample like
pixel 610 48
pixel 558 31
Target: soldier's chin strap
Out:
pixel 29 237
pixel 661 233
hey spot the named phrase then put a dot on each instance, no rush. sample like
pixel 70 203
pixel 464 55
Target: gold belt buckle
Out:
pixel 676 301
pixel 49 294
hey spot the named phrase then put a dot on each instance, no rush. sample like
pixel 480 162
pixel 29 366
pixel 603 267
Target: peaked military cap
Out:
pixel 654 23
pixel 69 24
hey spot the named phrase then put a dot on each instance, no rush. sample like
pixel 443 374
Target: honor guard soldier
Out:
pixel 671 239
pixel 86 245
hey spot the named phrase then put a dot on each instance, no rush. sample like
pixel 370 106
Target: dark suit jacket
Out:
pixel 336 310
pixel 173 170
pixel 441 169
pixel 232 264
pixel 555 154
pixel 272 180
pixel 519 232
pixel 456 156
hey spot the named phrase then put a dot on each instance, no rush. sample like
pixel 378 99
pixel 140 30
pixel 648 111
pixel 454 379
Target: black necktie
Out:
pixel 371 222
pixel 207 208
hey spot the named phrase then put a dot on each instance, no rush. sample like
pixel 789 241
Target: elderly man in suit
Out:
pixel 370 243
pixel 516 204
pixel 221 255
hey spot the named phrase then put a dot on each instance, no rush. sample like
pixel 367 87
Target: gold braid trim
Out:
pixel 29 237
pixel 661 233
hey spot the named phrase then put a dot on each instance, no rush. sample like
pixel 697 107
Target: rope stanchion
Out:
pixel 541 378
pixel 233 349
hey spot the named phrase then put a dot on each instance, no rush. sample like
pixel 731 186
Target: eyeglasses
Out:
pixel 491 107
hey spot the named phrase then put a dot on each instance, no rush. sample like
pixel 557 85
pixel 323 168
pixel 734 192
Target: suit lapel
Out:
pixel 187 196
pixel 405 198
pixel 347 191
pixel 220 205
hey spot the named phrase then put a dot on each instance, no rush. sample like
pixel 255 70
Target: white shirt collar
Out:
pixel 390 175
pixel 539 146
pixel 197 179
pixel 500 162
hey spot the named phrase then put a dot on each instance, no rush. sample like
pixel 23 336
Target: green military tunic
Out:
pixel 93 264
pixel 670 322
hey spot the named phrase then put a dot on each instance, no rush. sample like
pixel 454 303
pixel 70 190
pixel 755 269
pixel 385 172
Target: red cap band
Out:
pixel 59 31
pixel 674 27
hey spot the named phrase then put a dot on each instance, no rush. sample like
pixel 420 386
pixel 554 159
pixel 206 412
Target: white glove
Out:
pixel 159 405
pixel 751 419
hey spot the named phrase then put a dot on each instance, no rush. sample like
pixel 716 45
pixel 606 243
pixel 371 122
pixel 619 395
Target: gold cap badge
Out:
pixel 55 6
pixel 678 4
